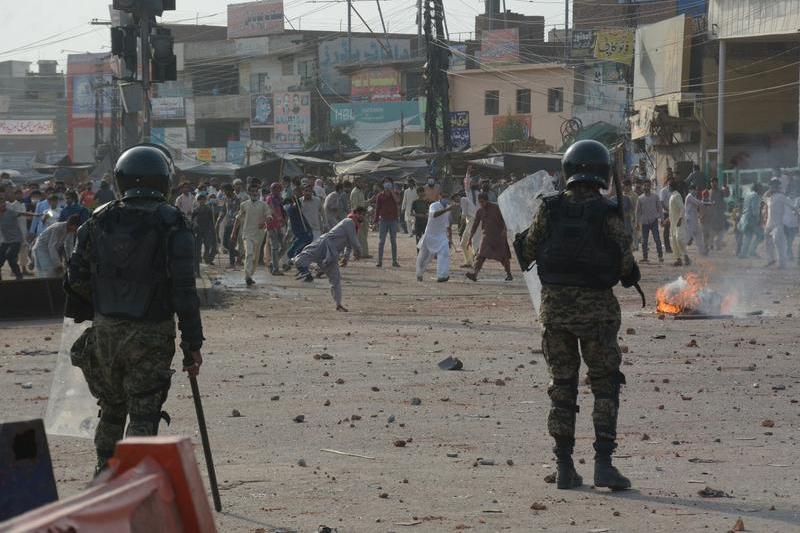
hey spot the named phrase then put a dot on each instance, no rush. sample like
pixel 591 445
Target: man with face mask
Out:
pixel 387 214
pixel 325 253
pixel 252 221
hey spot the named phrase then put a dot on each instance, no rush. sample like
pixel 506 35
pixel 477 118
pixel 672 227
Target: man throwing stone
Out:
pixel 325 253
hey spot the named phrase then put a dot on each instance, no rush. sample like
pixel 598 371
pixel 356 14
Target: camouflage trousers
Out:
pixel 563 347
pixel 127 367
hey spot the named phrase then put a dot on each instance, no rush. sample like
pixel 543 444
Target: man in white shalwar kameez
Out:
pixel 48 250
pixel 436 240
pixel 326 250
pixel 409 196
pixel 676 231
pixel 691 217
pixel 774 233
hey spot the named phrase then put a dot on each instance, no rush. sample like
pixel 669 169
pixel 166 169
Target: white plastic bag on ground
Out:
pixel 71 408
pixel 519 204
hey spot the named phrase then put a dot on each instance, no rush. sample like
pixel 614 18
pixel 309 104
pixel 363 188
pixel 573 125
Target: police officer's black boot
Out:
pixel 566 475
pixel 606 474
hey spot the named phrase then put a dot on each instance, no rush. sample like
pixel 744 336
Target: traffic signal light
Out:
pixel 165 64
pixel 144 7
pixel 124 45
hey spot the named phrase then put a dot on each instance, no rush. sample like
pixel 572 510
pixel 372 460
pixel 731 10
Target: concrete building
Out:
pixel 680 102
pixel 753 75
pixel 33 114
pixel 538 96
pixel 601 14
pixel 236 97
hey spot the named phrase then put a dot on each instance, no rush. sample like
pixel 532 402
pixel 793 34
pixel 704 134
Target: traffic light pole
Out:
pixel 145 37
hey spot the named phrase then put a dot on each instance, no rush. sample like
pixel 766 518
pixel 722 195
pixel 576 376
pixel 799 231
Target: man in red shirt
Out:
pixel 387 214
pixel 275 227
pixel 87 196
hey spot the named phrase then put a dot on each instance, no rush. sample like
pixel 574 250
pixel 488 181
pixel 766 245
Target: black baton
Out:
pixel 188 362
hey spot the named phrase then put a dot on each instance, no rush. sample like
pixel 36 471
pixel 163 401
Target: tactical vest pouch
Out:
pixel 577 251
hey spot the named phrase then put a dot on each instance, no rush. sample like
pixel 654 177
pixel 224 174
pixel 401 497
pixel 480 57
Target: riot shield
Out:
pixel 71 409
pixel 519 204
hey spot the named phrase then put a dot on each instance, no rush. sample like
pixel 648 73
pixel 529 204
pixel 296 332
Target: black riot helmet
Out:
pixel 144 170
pixel 587 162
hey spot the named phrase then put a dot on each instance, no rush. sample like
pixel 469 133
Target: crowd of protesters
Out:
pixel 696 213
pixel 38 224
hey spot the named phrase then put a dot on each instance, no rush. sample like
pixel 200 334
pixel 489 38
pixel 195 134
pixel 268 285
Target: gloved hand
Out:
pixel 633 278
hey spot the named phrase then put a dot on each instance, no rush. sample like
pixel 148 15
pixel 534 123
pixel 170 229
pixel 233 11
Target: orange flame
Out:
pixel 681 295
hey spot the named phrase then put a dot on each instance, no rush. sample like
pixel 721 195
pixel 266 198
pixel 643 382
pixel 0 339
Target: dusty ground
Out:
pixel 701 408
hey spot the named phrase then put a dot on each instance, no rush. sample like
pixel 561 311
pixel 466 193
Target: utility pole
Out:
pixel 721 111
pixel 385 33
pixel 419 27
pixel 566 29
pixel 402 129
pixel 99 86
pixel 145 38
pixel 349 30
pixel 437 87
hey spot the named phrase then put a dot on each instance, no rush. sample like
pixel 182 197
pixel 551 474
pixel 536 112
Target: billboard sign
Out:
pixel 26 128
pixel 380 84
pixel 500 46
pixel 292 119
pixel 615 45
pixel 83 95
pixel 172 138
pixel 168 107
pixel 255 18
pixel 262 111
pixel 236 152
pixel 206 155
pixel 334 53
pixel 459 129
pixel 370 124
pixel 583 43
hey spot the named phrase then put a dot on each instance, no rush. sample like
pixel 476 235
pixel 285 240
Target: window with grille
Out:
pixel 523 101
pixel 555 100
pixel 491 103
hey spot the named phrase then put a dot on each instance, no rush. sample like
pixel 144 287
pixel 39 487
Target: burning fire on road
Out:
pixel 691 295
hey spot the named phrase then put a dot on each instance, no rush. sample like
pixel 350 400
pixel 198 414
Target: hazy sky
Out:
pixel 51 29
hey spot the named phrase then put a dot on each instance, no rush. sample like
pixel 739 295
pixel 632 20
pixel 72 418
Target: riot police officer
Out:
pixel 581 250
pixel 131 272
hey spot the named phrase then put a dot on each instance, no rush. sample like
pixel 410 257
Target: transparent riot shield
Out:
pixel 519 203
pixel 71 409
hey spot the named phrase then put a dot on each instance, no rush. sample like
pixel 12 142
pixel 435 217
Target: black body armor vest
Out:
pixel 577 250
pixel 129 260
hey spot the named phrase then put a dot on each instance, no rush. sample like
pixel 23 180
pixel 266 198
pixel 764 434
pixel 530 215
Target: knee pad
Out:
pixel 145 408
pixel 564 394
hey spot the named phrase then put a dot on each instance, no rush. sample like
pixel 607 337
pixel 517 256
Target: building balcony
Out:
pixel 223 107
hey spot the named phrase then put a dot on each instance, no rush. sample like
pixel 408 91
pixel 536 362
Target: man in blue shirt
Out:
pixel 73 207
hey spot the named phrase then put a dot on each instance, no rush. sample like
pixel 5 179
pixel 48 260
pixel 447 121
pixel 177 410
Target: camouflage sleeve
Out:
pixel 536 234
pixel 184 292
pixel 616 231
pixel 78 281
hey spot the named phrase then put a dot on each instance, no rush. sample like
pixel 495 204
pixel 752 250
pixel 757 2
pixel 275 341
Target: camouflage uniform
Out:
pixel 126 361
pixel 580 320
pixel 127 366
